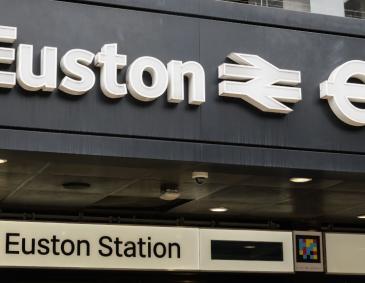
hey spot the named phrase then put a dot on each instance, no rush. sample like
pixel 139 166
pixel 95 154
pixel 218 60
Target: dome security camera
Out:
pixel 200 177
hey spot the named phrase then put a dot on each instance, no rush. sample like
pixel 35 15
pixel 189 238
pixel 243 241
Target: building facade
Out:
pixel 182 141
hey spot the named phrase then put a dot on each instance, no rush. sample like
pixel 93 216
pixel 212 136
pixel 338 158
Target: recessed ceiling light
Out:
pixel 361 217
pixel 218 209
pixel 2 161
pixel 300 180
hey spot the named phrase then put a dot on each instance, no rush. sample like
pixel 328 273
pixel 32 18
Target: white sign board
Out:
pixel 345 253
pixel 30 244
pixel 246 251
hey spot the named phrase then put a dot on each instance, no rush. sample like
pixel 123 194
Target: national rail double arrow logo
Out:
pixel 259 83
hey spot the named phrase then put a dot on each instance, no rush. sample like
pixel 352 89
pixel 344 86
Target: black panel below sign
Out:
pixel 246 250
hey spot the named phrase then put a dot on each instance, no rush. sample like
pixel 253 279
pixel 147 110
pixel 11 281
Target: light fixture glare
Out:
pixel 300 180
pixel 218 209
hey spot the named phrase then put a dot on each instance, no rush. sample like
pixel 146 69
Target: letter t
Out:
pixel 110 61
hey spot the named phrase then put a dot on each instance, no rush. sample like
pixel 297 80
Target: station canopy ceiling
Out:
pixel 125 188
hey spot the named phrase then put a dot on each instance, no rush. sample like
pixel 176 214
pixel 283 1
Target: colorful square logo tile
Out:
pixel 308 252
pixel 308 248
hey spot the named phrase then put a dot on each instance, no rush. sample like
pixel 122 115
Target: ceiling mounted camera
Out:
pixel 200 177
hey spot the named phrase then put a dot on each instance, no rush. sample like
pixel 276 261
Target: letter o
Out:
pixel 156 250
pixel 71 247
pixel 136 85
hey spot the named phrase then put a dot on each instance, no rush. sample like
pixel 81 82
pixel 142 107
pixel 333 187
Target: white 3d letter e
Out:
pixel 340 93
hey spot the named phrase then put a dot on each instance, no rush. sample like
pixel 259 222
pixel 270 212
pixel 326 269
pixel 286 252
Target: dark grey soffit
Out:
pixel 138 148
pixel 236 12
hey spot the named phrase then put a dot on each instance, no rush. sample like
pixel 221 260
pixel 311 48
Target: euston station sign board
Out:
pixel 132 247
pixel 91 246
pixel 31 244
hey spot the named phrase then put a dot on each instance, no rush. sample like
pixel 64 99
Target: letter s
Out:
pixel 109 250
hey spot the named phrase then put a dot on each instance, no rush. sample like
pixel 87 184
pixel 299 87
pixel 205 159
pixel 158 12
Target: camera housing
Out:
pixel 200 177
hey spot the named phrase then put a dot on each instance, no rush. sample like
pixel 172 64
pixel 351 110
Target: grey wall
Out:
pixel 223 130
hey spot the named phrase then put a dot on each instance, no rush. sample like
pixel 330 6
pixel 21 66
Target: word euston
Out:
pixel 250 78
pixel 79 78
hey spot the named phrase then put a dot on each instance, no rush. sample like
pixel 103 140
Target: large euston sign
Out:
pixel 252 79
pixel 116 72
pixel 80 79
